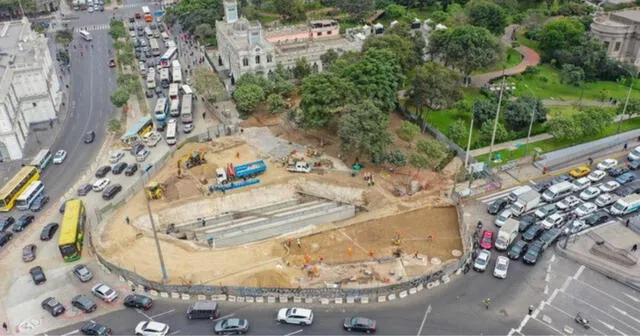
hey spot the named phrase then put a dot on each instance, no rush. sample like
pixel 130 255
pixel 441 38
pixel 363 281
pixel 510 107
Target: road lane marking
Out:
pixel 607 294
pixel 573 316
pixel 610 326
pixel 424 319
pixel 601 311
pixel 223 317
pixel 295 332
pixel 623 312
pixel 578 272
pixel 550 327
pixel 71 332
pixel 165 313
pixel 143 314
pixel 631 297
pixel 553 295
pixel 566 284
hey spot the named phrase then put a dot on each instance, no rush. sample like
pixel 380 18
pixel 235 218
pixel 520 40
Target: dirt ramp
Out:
pixel 267 278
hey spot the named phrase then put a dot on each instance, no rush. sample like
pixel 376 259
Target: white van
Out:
pixel 85 35
pixel 165 36
pixel 558 191
pixel 148 32
pixel 186 90
pixel 634 154
pixel 581 184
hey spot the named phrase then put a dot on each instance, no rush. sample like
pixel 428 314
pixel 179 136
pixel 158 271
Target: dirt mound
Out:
pixel 268 278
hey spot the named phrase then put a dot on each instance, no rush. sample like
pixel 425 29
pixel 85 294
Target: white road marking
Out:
pixel 572 316
pixel 165 313
pixel 579 272
pixel 295 332
pixel 566 284
pixel 424 319
pixel 524 322
pixel 223 317
pixel 174 332
pixel 553 295
pixel 143 314
pixel 609 295
pixel 624 312
pixel 71 332
pixel 602 311
pixel 550 327
pixel 612 327
pixel 631 297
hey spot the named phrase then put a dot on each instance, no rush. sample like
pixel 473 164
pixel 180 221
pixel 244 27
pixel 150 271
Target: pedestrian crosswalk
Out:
pixel 92 27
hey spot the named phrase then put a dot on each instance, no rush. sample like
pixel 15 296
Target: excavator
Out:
pixel 154 190
pixel 193 159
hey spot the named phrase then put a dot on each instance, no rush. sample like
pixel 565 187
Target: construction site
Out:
pixel 256 210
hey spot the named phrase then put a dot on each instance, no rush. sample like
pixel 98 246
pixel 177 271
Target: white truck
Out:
pixel 514 195
pixel 298 166
pixel 626 205
pixel 525 202
pixel 507 234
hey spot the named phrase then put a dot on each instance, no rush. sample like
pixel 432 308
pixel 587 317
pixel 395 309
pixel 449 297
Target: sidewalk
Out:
pixel 510 144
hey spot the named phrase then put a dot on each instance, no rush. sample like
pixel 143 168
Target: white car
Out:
pixel 142 155
pixel 151 328
pixel 607 164
pixel 586 209
pixel 502 217
pixel 605 199
pixel 568 202
pixel 597 175
pixel 553 220
pixel 590 193
pixel 634 154
pixel 101 184
pixel 581 183
pixel 104 292
pixel 576 226
pixel 502 266
pixel 115 157
pixel 187 128
pixel 609 186
pixel 482 260
pixel 59 157
pixel 300 316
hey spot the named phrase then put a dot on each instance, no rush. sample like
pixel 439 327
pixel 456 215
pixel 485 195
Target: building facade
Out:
pixel 30 92
pixel 619 32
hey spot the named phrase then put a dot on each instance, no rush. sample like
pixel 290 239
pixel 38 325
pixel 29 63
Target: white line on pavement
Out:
pixel 523 323
pixel 631 297
pixel 607 294
pixel 612 327
pixel 566 283
pixel 223 317
pixel 572 316
pixel 550 327
pixel 601 311
pixel 553 295
pixel 165 313
pixel 295 332
pixel 578 272
pixel 624 312
pixel 71 332
pixel 143 314
pixel 424 319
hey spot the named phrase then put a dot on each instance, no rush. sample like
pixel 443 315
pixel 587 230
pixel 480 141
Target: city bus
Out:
pixel 175 64
pixel 155 47
pixel 151 80
pixel 177 76
pixel 162 109
pixel 165 60
pixel 147 14
pixel 42 160
pixel 174 111
pixel 33 191
pixel 72 230
pixel 137 131
pixel 12 190
pixel 173 91
pixel 164 78
pixel 186 112
pixel 172 132
pixel 170 44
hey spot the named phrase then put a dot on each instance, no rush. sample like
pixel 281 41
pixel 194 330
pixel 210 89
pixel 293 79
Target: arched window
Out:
pixel 269 58
pixel 245 62
pixel 257 59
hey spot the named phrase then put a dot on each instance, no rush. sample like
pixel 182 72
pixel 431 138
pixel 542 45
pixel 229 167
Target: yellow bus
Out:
pixel 18 184
pixel 72 230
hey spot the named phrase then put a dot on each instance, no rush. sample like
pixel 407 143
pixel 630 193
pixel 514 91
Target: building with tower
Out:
pixel 619 32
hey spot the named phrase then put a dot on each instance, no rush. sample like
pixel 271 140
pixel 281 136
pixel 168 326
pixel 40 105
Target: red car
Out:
pixel 487 240
pixel 138 16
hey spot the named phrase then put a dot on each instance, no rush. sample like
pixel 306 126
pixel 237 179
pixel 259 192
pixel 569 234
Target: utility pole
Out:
pixel 495 122
pixel 466 157
pixel 533 114
pixel 163 268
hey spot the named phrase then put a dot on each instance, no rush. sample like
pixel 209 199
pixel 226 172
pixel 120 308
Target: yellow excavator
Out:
pixel 191 160
pixel 154 190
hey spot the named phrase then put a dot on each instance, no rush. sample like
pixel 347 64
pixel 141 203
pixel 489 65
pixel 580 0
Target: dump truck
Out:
pixel 298 166
pixel 154 190
pixel 245 171
pixel 526 202
pixel 507 234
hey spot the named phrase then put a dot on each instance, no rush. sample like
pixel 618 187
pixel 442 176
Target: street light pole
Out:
pixel 495 122
pixel 466 157
pixel 533 114
pixel 626 101
pixel 163 268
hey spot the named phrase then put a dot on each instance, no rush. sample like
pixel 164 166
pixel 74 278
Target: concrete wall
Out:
pixel 340 194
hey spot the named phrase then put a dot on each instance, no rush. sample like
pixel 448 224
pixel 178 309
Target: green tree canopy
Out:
pixel 483 110
pixel 192 13
pixel 458 132
pixel 564 128
pixel 120 97
pixel 518 113
pixel 258 80
pixel 275 103
pixel 64 37
pixel 290 9
pixel 363 129
pixel 117 29
pixel 488 15
pixel 560 34
pixel 302 68
pixel 408 131
pixel 208 84
pixel 359 10
pixel 429 154
pixel 322 94
pixel 486 132
pixel 328 58
pixel 248 97
pixel 204 31
pixel 400 47
pixel 434 85
pixel 572 75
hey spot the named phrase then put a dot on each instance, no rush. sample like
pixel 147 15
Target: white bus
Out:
pixel 172 132
pixel 151 80
pixel 186 113
pixel 85 35
pixel 164 78
pixel 162 109
pixel 175 108
pixel 177 76
pixel 170 44
pixel 33 191
pixel 155 47
pixel 165 60
pixel 175 64
pixel 173 91
pixel 42 160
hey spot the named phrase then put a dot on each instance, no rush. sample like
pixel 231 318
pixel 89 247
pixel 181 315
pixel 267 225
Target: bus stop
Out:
pixel 138 130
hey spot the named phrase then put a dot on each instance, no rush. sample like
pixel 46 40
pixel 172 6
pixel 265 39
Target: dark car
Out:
pixel 624 191
pixel 533 253
pixel 137 15
pixel 138 301
pixel 136 149
pixel 517 250
pixel 92 328
pixel 49 231
pixel 543 186
pixel 615 172
pixel 22 223
pixel 103 171
pixel 361 324
pixel 5 223
pixel 84 189
pixel 119 168
pixel 635 164
pixel 525 222
pixel 89 137
pixel 29 253
pixel 561 178
pixel 84 303
pixel 131 169
pixel 625 178
pixel 597 218
pixel 132 19
pixel 231 326
pixel 158 90
pixel 111 191
pixel 149 93
pixel 5 238
pixel 532 232
pixel 147 54
pixel 161 125
pixel 497 206
pixel 39 203
pixel 52 305
pixel 37 274
pixel 550 236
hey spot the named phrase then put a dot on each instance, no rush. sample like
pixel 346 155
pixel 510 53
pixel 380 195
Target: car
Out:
pixel 132 34
pixel 89 137
pixel 92 328
pixel 517 250
pixel 149 93
pixel 541 187
pixel 37 274
pixel 158 91
pixel 300 316
pixel 497 206
pixel 553 220
pixel 550 236
pixel 586 209
pixel 5 238
pixel 580 172
pixel 22 223
pixel 131 169
pixel 84 303
pixel 607 164
pixel 568 203
pixel 634 165
pixel 100 184
pixel 137 16
pixel 596 175
pixel 111 191
pixel 502 217
pixel 486 242
pixel 532 232
pixel 187 128
pixel 581 184
pixel 545 210
pixel 615 172
pixel 142 155
pixel 609 186
pixel 48 231
pixel 561 178
pixel 361 324
pixel 52 305
pixel 59 156
pixel 625 178
pixel 161 125
pixel 112 63
pixel 576 226
pixel 132 20
pixel 82 272
pixel 84 189
pixel 136 149
pixel 605 199
pixel 104 292
pixel 533 253
pixel 590 193
pixel 103 171
pixel 138 301
pixel 151 328
pixel 29 253
pixel 482 260
pixel 143 42
pixel 39 203
pixel 90 9
pixel 231 326
pixel 119 168
pixel 501 268
pixel 147 167
pixel 525 222
pixel 116 156
pixel 597 218
pixel 140 32
pixel 6 223
pixel 627 190
pixel 147 53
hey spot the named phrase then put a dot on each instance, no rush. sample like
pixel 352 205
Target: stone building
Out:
pixel 620 34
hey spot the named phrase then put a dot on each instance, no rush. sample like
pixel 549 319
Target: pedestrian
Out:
pixel 133 288
pixel 625 146
pixel 590 161
pixel 626 223
pixel 50 123
pixel 634 248
pixel 299 243
pixel 487 302
pixel 4 326
pixel 126 219
pixel 531 308
pixel 204 114
pixel 204 222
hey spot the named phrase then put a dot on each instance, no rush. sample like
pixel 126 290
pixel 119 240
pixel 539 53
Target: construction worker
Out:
pixel 531 309
pixel 487 302
pixel 299 243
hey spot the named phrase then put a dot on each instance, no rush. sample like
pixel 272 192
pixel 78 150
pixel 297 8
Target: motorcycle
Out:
pixel 582 321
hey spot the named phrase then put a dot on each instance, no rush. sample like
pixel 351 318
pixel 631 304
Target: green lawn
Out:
pixel 525 41
pixel 512 58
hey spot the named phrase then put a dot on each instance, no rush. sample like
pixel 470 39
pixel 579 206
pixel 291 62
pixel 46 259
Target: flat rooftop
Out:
pixel 632 14
pixel 16 43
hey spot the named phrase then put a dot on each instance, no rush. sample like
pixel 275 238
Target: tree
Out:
pixel 560 34
pixel 400 47
pixel 275 103
pixel 126 58
pixel 563 128
pixel 208 84
pixel 248 97
pixel 488 15
pixel 63 56
pixel 120 97
pixel 429 154
pixel 192 13
pixel 117 29
pixel 64 37
pixel 328 58
pixel 483 110
pixel 395 158
pixel 408 131
pixel 359 9
pixel 572 75
pixel 283 86
pixel 593 120
pixel 633 107
pixel 435 86
pixel 395 12
pixel 363 129
pixel 517 114
pixel 457 132
pixel 290 9
pixel 204 31
pixel 486 132
pixel 119 45
pixel 114 125
pixel 258 80
pixel 302 68
pixel 322 94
